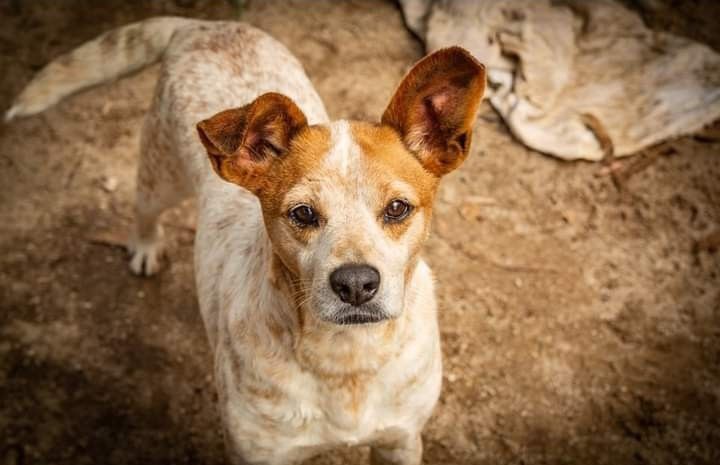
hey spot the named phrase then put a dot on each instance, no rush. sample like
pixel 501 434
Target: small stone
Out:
pixel 106 108
pixel 109 184
pixel 470 212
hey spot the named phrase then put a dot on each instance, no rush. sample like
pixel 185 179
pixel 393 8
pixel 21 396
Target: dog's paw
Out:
pixel 145 257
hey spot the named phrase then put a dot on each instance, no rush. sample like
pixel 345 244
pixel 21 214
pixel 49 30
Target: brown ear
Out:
pixel 435 106
pixel 243 142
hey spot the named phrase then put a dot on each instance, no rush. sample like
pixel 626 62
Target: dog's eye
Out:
pixel 303 216
pixel 397 210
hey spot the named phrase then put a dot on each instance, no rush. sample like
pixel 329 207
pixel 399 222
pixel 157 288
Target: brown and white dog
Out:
pixel 319 310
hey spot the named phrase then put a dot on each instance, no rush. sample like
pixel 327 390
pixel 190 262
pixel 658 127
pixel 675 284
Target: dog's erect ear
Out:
pixel 242 143
pixel 435 106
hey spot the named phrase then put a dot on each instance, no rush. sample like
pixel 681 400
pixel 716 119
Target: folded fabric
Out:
pixel 578 79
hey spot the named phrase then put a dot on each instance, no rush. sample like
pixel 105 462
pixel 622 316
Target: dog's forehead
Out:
pixel 356 161
pixel 344 156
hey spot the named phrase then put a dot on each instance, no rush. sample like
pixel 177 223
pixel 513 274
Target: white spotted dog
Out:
pixel 319 310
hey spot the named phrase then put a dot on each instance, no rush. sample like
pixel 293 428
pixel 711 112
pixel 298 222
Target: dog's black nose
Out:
pixel 355 284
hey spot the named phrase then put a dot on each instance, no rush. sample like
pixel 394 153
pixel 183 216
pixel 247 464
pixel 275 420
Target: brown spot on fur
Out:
pixel 388 159
pixel 357 390
pixel 109 40
pixel 276 330
pixel 225 222
pixel 231 46
pixel 352 387
pixel 390 331
pixel 413 261
pixel 263 392
pixel 134 36
pixel 285 282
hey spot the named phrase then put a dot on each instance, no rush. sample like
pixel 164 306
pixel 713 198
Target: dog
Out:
pixel 317 304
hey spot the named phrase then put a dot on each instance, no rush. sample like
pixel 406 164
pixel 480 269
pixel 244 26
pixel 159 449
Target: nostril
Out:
pixel 369 287
pixel 344 292
pixel 339 286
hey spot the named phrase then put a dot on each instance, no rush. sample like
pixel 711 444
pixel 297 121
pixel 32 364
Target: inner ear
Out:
pixel 435 106
pixel 242 143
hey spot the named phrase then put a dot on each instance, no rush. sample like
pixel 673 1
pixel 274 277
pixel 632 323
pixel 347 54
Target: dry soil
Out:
pixel 580 319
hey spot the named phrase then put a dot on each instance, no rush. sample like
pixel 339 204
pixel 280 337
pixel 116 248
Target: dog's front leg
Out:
pixel 265 450
pixel 405 450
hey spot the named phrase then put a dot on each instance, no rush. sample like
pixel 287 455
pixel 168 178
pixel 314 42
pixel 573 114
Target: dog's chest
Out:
pixel 321 413
pixel 281 405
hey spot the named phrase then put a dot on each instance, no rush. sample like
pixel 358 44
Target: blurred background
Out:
pixel 579 301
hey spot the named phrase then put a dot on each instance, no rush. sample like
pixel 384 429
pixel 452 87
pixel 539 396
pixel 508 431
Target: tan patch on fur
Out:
pixel 387 160
pixel 306 151
pixel 283 280
pixel 263 392
pixel 305 154
pixel 352 388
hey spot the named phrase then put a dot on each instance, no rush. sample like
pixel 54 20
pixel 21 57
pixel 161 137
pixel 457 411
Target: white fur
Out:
pixel 344 154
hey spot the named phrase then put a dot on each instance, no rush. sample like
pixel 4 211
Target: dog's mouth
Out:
pixel 360 318
pixel 366 314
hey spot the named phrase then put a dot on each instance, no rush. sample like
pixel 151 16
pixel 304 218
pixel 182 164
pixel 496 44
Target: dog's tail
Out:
pixel 109 56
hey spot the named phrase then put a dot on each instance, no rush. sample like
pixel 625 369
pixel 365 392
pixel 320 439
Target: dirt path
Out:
pixel 581 323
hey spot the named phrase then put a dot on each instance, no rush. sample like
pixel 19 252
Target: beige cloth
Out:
pixel 562 74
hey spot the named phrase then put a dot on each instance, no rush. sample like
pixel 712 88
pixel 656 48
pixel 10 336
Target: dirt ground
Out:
pixel 580 320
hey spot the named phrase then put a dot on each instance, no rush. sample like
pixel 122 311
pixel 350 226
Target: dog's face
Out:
pixel 348 205
pixel 347 219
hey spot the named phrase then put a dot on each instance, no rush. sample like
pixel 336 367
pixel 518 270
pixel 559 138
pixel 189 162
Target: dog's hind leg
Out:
pixel 160 185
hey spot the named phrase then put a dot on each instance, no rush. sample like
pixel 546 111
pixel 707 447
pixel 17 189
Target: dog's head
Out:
pixel 347 205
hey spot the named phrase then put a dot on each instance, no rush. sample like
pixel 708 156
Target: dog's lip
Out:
pixel 360 318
